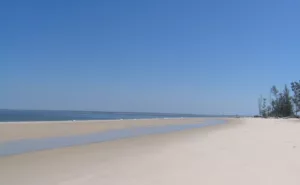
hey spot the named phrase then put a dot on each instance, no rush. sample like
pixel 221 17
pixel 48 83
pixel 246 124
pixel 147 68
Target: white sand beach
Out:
pixel 244 151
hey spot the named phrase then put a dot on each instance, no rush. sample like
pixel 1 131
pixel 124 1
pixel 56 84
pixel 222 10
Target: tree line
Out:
pixel 281 103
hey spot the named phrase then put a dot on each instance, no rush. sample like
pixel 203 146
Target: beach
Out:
pixel 242 151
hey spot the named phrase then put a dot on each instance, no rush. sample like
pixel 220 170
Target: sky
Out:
pixel 179 56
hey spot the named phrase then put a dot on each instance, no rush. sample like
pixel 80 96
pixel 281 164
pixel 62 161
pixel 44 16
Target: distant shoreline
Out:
pixel 66 115
pixel 105 120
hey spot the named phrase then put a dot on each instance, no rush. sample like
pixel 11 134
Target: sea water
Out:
pixel 46 115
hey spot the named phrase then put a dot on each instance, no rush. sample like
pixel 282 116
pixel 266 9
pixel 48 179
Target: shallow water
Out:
pixel 31 145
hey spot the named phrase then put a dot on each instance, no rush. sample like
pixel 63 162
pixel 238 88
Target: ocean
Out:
pixel 56 115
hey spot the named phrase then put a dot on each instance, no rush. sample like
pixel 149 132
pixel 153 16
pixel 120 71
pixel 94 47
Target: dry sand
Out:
pixel 246 151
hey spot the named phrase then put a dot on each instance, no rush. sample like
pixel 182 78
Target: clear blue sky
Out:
pixel 188 56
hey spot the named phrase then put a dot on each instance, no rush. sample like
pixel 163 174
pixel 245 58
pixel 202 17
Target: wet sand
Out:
pixel 31 145
pixel 28 130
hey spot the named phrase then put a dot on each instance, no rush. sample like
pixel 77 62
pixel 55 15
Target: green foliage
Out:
pixel 286 103
pixel 264 108
pixel 281 104
pixel 296 98
pixel 260 101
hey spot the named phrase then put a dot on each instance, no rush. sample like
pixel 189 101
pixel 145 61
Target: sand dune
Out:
pixel 246 151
